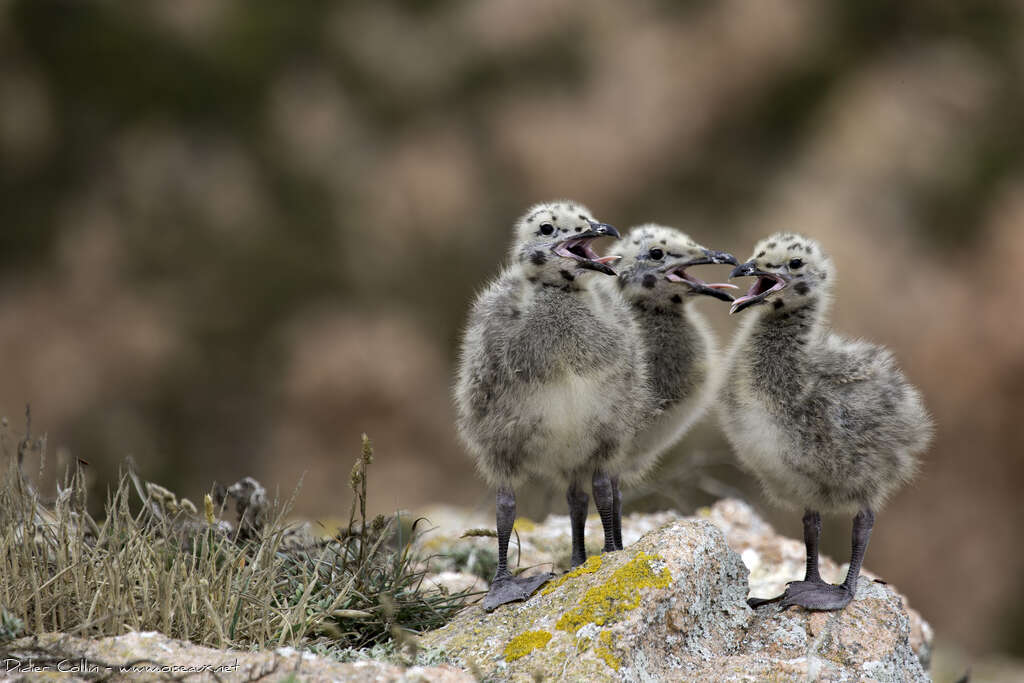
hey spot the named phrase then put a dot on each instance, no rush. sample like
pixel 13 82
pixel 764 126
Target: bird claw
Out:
pixel 815 595
pixel 509 588
pixel 754 603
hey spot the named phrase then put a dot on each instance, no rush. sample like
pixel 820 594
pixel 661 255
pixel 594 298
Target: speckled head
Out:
pixel 792 271
pixel 553 240
pixel 654 265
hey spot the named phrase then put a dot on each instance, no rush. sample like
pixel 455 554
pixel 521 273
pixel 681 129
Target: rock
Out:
pixel 672 606
pixel 158 657
pixel 775 560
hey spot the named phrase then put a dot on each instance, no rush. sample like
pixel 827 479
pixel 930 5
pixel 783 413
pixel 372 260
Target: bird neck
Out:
pixel 562 329
pixel 658 303
pixel 778 345
pixel 562 279
pixel 677 348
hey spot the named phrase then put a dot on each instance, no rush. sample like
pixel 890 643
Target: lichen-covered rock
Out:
pixel 682 585
pixel 672 606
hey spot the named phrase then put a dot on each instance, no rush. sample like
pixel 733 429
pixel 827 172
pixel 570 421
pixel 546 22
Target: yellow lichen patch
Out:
pixel 620 593
pixel 524 525
pixel 605 652
pixel 525 643
pixel 592 564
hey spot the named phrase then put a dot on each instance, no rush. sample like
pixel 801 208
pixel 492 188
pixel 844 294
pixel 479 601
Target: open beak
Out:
pixel 579 249
pixel 676 272
pixel 766 283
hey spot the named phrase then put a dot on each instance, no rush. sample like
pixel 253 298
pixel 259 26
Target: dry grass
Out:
pixel 155 563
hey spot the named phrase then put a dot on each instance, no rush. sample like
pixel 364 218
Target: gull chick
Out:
pixel 825 423
pixel 681 350
pixel 549 377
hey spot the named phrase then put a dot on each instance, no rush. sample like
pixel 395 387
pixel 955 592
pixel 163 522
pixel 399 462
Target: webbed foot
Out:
pixel 815 595
pixel 510 588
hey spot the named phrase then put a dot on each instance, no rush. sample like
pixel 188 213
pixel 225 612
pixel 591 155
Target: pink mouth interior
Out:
pixel 581 249
pixel 678 274
pixel 763 285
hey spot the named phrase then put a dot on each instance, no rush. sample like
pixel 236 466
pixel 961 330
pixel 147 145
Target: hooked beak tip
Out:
pixel 604 229
pixel 742 270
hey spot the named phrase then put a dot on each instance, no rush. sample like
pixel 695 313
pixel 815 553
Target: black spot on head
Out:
pixel 581 217
pixel 532 279
pixel 676 299
pixel 795 245
pixel 800 288
pixel 579 229
pixel 664 242
pixel 778 304
pixel 763 252
pixel 538 258
pixel 564 229
pixel 772 245
pixel 567 275
pixel 648 281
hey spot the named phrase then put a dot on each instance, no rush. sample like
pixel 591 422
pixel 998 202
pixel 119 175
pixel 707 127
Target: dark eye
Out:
pixel 796 263
pixel 656 254
pixel 547 229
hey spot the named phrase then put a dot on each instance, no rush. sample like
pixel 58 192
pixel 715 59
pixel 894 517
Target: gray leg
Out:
pixel 863 523
pixel 616 513
pixel 505 587
pixel 824 596
pixel 812 532
pixel 605 502
pixel 578 501
pixel 505 517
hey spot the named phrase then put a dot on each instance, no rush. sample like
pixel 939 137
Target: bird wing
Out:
pixel 483 367
pixel 850 361
pixel 847 373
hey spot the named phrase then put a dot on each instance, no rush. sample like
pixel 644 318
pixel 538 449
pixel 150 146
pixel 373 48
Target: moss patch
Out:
pixel 605 652
pixel 620 593
pixel 525 643
pixel 592 564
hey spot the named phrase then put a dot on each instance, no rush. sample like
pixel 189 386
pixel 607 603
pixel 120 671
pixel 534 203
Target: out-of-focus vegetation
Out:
pixel 234 235
pixel 154 562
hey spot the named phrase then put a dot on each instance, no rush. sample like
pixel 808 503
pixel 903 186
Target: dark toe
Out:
pixel 760 602
pixel 512 589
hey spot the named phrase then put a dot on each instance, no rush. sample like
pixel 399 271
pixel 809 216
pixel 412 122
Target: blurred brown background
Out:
pixel 234 236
